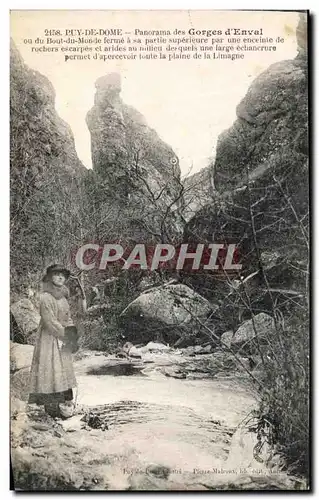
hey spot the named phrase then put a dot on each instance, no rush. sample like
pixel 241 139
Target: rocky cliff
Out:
pixel 45 173
pixel 271 125
pixel 199 191
pixel 261 179
pixel 133 166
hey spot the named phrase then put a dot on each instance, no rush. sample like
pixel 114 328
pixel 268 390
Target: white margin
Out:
pixel 4 184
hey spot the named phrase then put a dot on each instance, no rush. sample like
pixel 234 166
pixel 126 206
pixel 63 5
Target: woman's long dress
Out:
pixel 52 371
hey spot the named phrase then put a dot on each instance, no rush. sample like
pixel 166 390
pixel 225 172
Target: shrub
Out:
pixel 285 393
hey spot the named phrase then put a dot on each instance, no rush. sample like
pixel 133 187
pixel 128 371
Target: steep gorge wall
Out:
pixel 45 174
pixel 56 203
pixel 133 166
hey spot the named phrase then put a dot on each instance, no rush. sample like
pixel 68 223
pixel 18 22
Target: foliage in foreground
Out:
pixel 285 395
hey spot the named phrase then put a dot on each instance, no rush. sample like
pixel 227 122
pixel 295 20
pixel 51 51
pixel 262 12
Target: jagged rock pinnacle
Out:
pixel 112 81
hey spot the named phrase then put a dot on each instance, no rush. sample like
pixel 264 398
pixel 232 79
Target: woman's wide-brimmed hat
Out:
pixel 56 268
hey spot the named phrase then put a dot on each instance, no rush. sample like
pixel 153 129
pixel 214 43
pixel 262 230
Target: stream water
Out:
pixel 161 433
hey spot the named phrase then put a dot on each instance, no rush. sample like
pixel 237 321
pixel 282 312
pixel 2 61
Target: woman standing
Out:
pixel 52 375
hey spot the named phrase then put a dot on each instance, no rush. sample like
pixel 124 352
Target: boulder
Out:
pixel 165 314
pixel 260 173
pixel 20 356
pixel 205 350
pixel 25 315
pixel 196 349
pixel 261 326
pixel 17 406
pixel 134 352
pixel 131 350
pixel 188 351
pixel 173 372
pixel 19 384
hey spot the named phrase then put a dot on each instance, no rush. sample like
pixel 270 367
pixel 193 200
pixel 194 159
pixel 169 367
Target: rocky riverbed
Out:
pixel 137 428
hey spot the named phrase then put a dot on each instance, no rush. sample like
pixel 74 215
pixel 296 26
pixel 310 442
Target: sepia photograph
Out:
pixel 159 250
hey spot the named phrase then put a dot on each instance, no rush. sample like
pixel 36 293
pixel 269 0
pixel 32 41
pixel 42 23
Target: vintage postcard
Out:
pixel 159 310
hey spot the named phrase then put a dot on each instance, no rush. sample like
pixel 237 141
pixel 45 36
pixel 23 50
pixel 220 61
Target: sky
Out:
pixel 188 102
